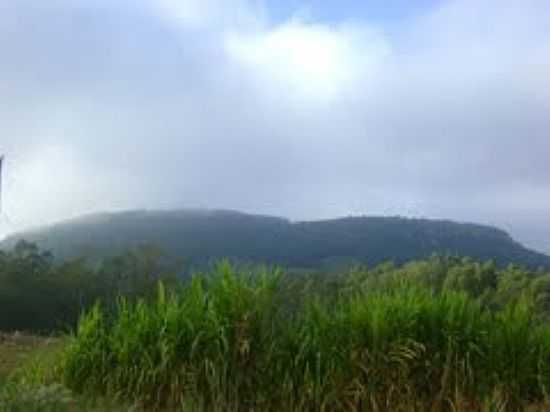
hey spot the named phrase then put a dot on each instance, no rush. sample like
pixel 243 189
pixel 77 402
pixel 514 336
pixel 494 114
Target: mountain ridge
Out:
pixel 202 235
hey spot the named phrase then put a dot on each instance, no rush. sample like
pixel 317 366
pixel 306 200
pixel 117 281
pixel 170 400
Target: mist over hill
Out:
pixel 201 236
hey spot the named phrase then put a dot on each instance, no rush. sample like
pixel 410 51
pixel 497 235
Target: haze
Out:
pixel 300 109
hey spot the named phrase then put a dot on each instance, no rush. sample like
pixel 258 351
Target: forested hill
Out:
pixel 200 236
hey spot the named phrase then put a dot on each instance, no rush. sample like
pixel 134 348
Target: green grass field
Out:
pixel 14 352
pixel 24 361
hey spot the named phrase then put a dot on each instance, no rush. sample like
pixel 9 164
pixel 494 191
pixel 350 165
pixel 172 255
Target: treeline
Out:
pixel 203 236
pixel 40 294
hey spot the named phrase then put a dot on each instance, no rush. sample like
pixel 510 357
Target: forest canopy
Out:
pixel 203 236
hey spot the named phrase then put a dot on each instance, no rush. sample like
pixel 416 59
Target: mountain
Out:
pixel 200 236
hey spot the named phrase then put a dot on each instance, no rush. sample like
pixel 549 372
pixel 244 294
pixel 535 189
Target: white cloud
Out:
pixel 209 103
pixel 209 14
pixel 312 60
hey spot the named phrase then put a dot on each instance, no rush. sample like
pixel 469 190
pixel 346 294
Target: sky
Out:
pixel 302 109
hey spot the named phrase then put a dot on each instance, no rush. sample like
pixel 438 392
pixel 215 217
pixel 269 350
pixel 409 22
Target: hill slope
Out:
pixel 203 235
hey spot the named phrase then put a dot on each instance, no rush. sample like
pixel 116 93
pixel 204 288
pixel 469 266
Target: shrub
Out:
pixel 226 342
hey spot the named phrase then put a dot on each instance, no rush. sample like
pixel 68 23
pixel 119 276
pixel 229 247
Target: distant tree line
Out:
pixel 40 294
pixel 202 237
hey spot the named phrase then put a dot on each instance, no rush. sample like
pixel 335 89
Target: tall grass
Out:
pixel 227 342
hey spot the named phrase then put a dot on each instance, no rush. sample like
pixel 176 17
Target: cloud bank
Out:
pixel 163 104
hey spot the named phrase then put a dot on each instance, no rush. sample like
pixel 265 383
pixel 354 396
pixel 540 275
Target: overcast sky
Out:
pixel 303 109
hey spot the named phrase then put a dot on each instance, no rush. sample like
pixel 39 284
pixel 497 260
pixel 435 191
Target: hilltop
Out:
pixel 200 236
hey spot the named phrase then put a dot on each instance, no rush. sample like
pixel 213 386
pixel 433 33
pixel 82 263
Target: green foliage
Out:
pixel 444 333
pixel 28 369
pixel 37 294
pixel 201 236
pixel 16 397
pixel 226 342
pixel 493 287
pixel 52 398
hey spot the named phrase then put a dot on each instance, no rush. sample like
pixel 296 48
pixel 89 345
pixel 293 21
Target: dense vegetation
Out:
pixel 372 340
pixel 201 237
pixel 444 333
pixel 40 294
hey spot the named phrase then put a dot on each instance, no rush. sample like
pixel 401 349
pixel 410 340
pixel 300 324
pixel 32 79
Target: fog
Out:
pixel 297 110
